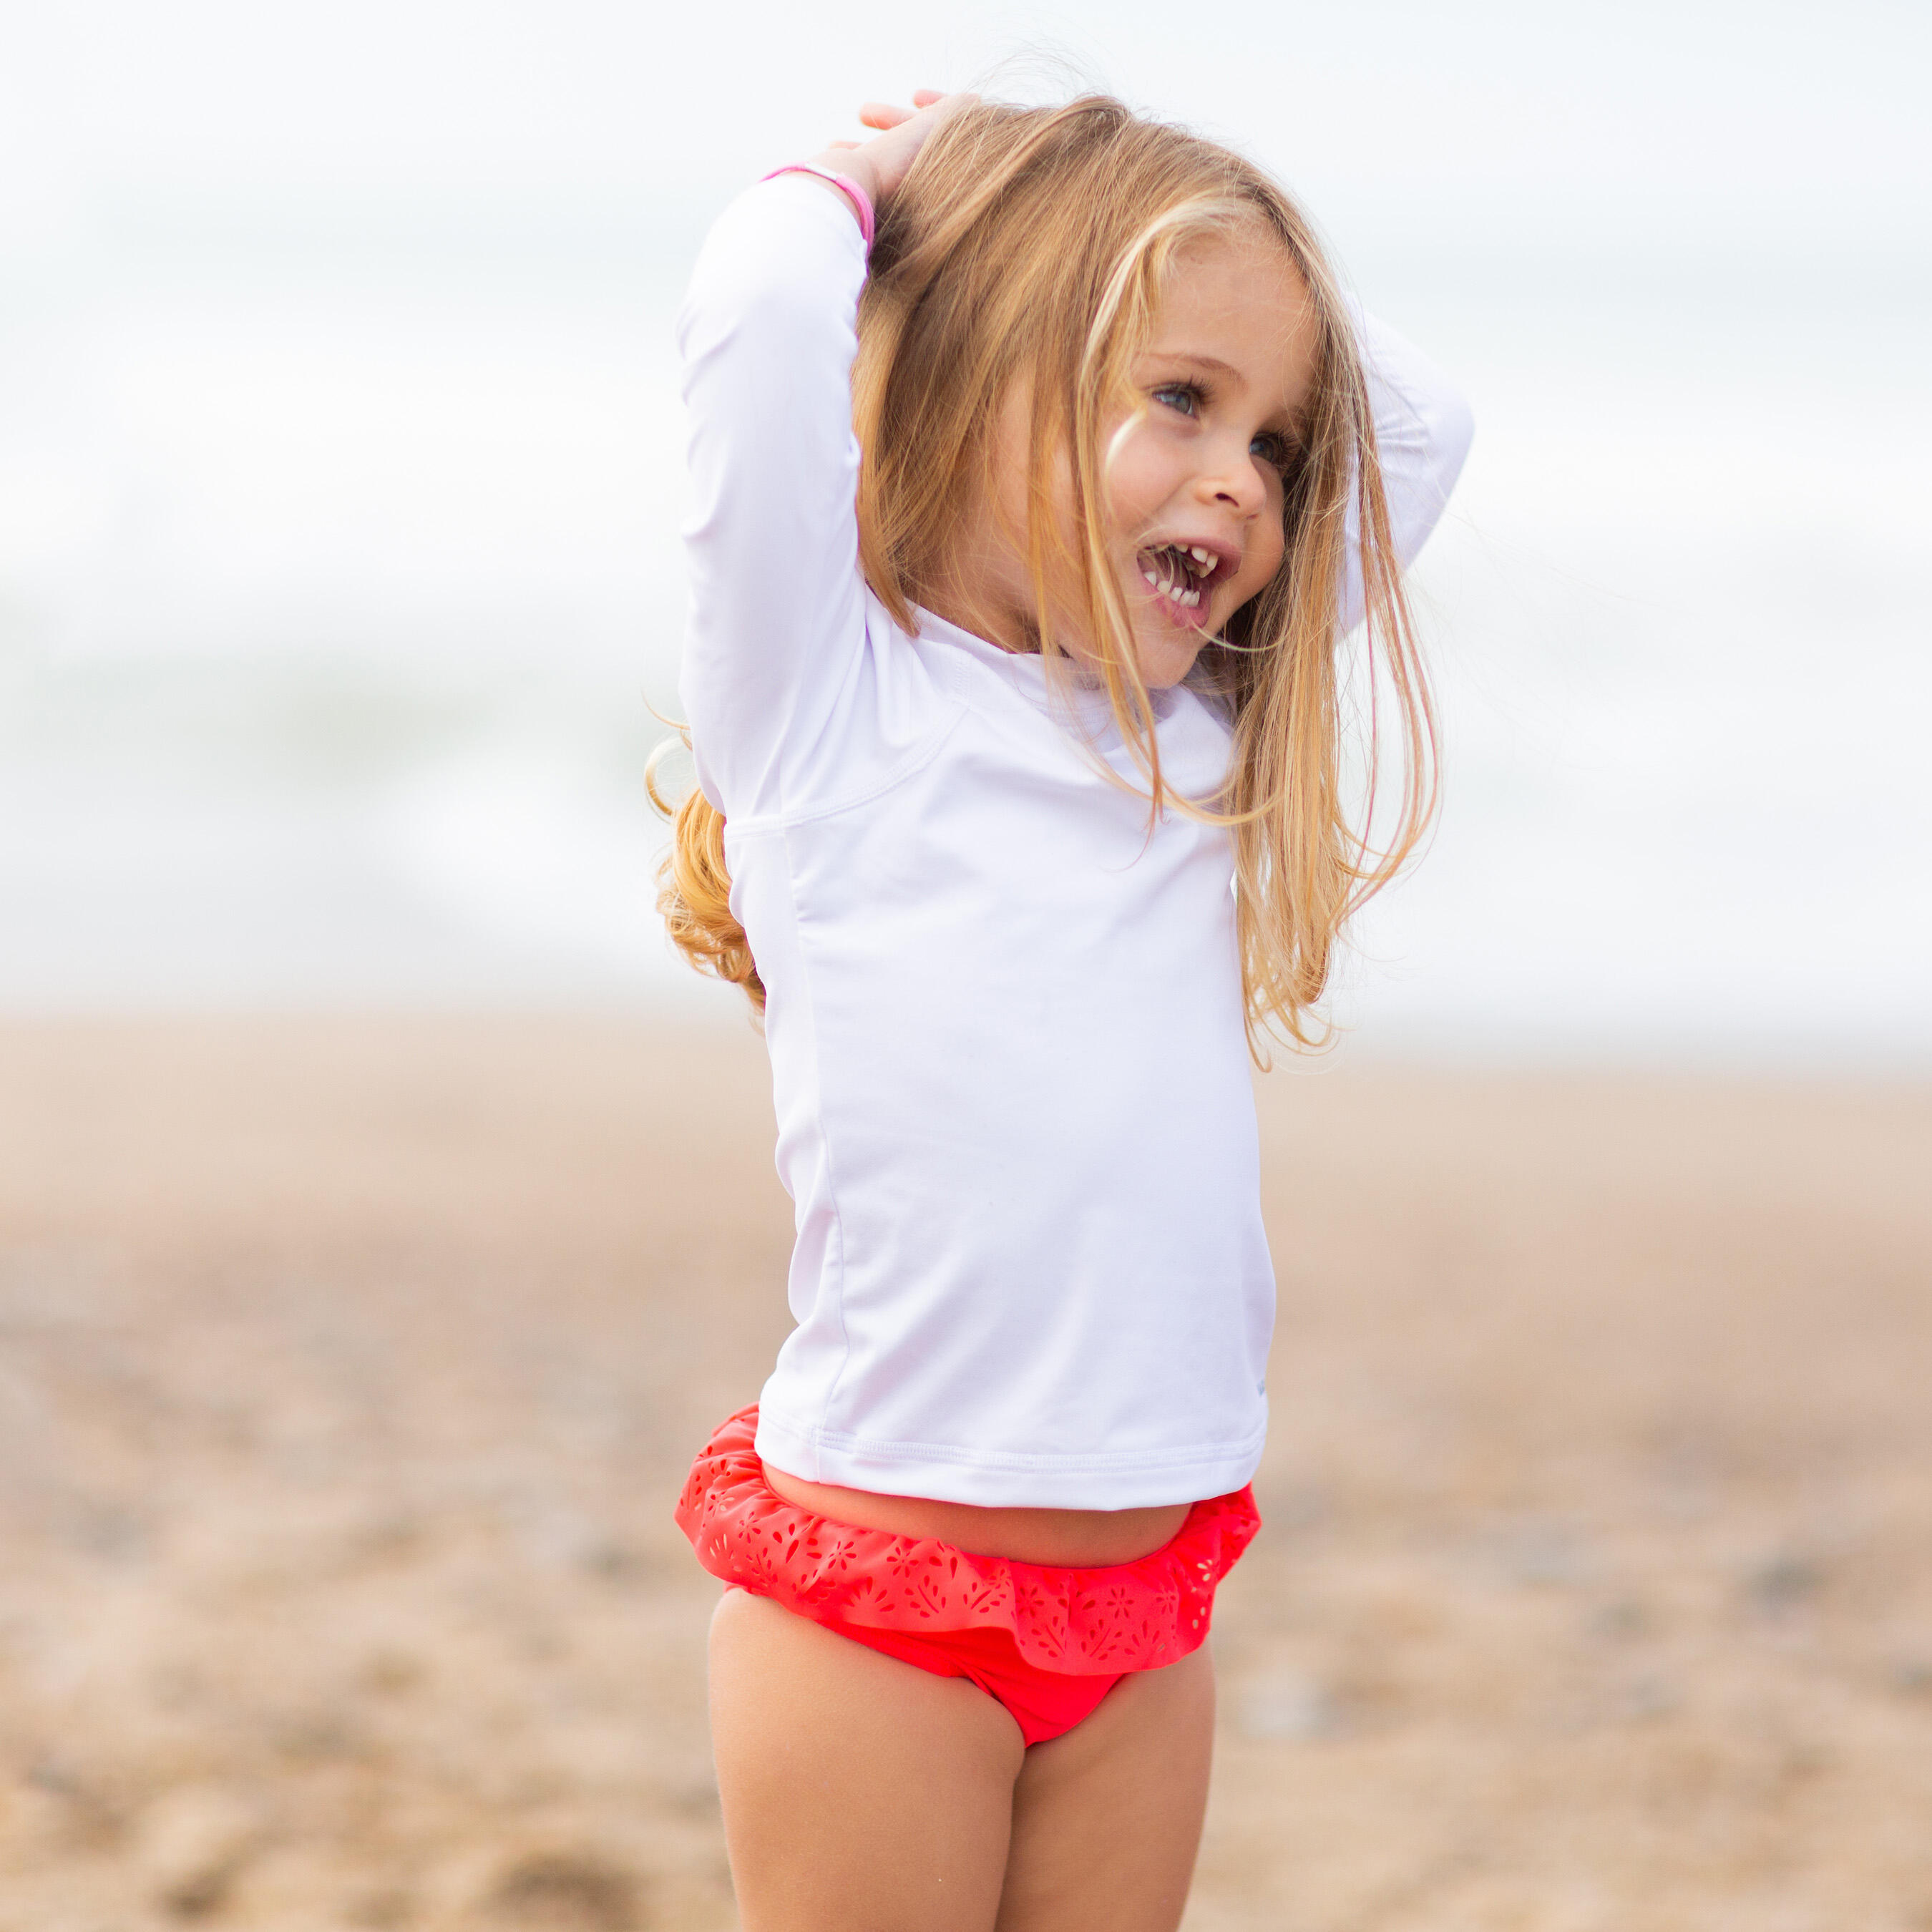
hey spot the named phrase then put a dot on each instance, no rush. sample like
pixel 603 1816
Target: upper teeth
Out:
pixel 1201 553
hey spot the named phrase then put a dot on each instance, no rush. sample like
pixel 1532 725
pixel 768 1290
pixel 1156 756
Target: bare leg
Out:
pixel 860 1794
pixel 1107 1818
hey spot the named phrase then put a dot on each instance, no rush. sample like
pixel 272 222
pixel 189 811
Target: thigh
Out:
pixel 860 1794
pixel 1107 1818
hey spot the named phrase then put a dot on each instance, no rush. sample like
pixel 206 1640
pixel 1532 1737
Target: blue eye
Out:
pixel 1273 449
pixel 1188 399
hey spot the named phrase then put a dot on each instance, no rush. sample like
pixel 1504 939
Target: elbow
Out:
pixel 1422 466
pixel 1423 423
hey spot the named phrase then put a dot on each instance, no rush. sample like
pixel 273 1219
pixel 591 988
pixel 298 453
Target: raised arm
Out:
pixel 772 544
pixel 766 335
pixel 1422 431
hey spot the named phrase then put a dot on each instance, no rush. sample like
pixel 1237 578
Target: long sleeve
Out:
pixel 1423 429
pixel 777 603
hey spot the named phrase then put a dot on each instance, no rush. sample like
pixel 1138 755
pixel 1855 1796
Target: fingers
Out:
pixel 880 164
pixel 883 114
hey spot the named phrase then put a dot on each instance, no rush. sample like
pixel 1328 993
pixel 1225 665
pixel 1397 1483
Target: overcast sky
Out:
pixel 1742 120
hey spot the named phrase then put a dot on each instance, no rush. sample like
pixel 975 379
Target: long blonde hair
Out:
pixel 1037 241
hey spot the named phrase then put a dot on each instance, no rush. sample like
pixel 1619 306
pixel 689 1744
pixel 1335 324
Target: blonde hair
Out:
pixel 1037 242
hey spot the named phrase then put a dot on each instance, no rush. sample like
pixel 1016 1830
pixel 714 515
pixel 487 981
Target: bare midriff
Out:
pixel 1067 1539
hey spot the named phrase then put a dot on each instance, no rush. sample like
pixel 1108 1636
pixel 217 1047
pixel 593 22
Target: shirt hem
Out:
pixel 1008 1479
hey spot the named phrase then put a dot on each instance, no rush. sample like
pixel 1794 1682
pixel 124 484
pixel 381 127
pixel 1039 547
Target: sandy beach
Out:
pixel 349 1367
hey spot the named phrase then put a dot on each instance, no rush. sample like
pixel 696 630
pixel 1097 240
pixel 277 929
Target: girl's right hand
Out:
pixel 879 165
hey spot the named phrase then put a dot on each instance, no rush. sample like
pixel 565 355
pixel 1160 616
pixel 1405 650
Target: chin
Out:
pixel 1164 661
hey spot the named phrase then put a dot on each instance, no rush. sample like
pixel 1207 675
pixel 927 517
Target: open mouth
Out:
pixel 1180 573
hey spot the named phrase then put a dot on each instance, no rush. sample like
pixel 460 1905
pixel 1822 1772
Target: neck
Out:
pixel 949 599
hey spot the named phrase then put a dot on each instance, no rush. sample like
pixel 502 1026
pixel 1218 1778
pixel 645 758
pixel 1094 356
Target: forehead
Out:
pixel 1237 298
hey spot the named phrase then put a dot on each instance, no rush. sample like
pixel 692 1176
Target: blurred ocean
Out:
pixel 338 571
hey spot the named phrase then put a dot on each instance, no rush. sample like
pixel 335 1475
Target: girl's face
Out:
pixel 1195 480
pixel 1195 474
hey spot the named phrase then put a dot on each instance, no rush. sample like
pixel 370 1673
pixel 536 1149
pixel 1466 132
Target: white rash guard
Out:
pixel 1005 1021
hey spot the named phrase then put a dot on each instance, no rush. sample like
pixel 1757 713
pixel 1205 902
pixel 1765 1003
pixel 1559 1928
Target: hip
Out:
pixel 1061 1538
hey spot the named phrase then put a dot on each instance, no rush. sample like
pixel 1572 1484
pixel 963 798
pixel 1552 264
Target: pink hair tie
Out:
pixel 861 202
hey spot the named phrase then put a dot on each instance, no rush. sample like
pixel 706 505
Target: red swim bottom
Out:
pixel 1043 1703
pixel 1047 1643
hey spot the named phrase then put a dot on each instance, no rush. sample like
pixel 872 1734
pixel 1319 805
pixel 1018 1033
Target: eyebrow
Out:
pixel 1203 362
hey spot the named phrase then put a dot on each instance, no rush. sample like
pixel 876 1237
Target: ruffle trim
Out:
pixel 1129 1616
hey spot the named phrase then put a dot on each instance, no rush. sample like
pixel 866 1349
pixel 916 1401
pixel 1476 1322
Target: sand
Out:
pixel 348 1369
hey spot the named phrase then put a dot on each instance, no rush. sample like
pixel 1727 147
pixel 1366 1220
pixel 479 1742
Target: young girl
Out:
pixel 1018 723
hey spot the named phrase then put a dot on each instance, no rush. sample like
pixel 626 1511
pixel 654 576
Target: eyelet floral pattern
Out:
pixel 1128 1616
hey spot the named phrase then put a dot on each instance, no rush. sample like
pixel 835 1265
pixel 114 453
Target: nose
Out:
pixel 1232 478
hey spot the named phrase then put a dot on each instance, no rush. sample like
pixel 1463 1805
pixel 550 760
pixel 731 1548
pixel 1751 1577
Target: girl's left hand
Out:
pixel 879 165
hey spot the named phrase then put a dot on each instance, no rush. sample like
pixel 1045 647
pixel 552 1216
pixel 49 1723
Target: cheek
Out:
pixel 1266 549
pixel 1141 478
